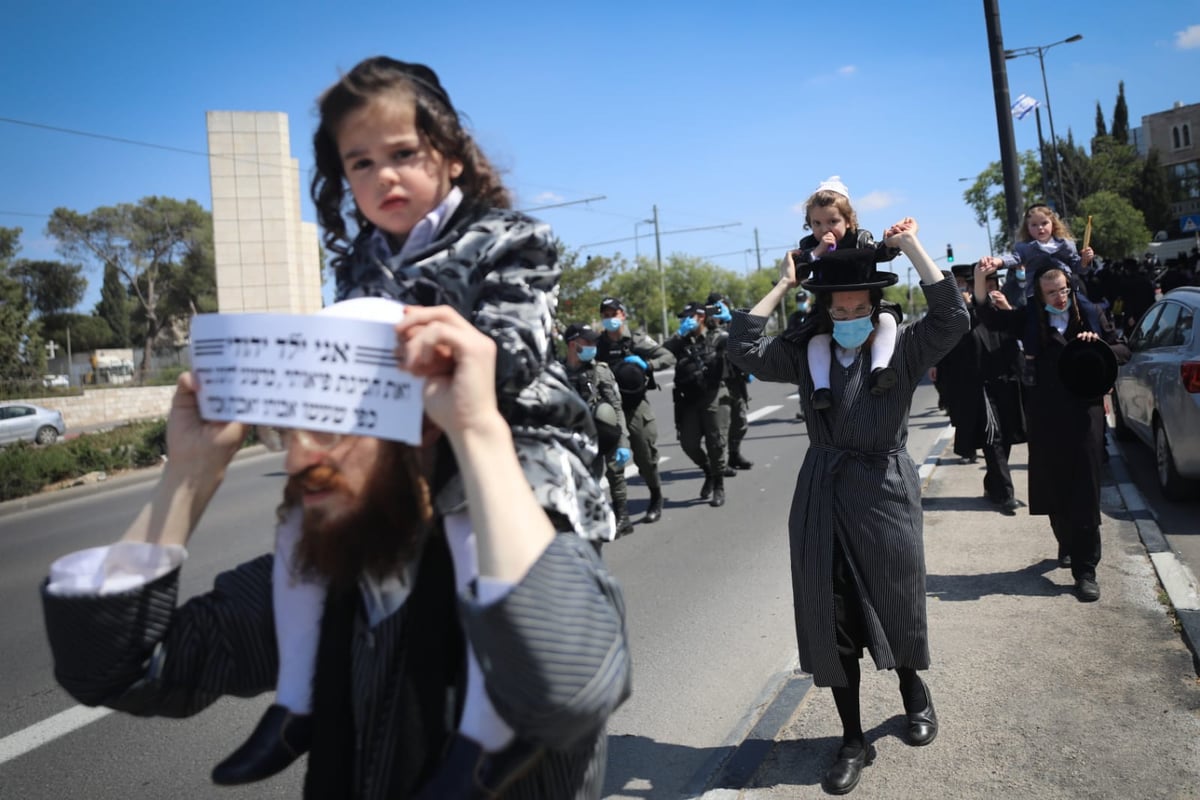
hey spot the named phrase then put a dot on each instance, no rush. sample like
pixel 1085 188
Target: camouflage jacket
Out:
pixel 499 269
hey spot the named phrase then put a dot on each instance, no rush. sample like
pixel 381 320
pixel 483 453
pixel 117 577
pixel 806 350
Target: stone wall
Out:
pixel 97 407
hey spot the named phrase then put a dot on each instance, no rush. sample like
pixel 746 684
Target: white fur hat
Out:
pixel 834 184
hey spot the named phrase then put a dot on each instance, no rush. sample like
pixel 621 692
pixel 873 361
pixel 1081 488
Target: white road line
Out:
pixel 49 729
pixel 762 412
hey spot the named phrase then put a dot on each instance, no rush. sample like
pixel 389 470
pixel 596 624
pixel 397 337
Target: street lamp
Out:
pixel 987 220
pixel 662 278
pixel 1040 52
pixel 637 225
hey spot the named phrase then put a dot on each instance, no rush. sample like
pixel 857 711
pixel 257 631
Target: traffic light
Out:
pixel 949 254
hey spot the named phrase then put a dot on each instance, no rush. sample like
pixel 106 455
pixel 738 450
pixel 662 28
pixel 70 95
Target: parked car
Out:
pixel 1158 391
pixel 25 422
pixel 55 381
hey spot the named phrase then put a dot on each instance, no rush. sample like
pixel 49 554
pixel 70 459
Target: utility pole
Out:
pixel 662 279
pixel 1013 201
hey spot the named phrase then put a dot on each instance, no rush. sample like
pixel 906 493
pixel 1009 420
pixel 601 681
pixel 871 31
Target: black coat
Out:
pixel 1066 433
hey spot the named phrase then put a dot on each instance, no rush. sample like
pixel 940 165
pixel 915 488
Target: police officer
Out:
pixel 633 358
pixel 699 389
pixel 735 404
pixel 594 382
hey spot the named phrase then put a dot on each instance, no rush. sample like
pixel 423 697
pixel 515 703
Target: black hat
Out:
pixel 963 270
pixel 1088 369
pixel 691 310
pixel 848 270
pixel 576 331
pixel 611 304
pixel 714 298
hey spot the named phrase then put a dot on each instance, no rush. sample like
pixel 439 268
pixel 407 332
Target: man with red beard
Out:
pixel 543 615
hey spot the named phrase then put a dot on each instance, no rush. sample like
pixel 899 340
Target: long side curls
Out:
pixel 437 120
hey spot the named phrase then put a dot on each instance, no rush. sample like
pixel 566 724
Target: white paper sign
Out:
pixel 315 372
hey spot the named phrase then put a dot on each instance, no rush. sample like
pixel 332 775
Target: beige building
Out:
pixel 1175 134
pixel 267 259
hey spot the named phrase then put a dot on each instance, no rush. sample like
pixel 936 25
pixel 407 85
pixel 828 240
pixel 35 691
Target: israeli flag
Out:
pixel 1023 105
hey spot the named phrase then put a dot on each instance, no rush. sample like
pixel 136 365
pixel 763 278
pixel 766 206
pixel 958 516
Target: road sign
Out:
pixel 1190 223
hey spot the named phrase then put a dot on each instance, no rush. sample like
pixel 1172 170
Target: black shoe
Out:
pixel 822 399
pixel 467 772
pixel 923 725
pixel 1087 590
pixel 729 471
pixel 882 380
pixel 707 488
pixel 738 462
pixel 654 512
pixel 1009 506
pixel 843 776
pixel 800 416
pixel 624 525
pixel 1064 561
pixel 279 739
pixel 718 494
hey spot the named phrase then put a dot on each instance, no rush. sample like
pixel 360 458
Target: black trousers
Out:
pixel 997 479
pixel 1081 543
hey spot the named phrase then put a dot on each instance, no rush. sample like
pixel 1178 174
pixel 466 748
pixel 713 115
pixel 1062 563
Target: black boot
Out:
pixel 729 471
pixel 624 524
pixel 718 493
pixel 822 399
pixel 280 738
pixel 738 462
pixel 707 488
pixel 654 512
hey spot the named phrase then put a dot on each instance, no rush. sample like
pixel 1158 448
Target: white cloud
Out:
pixel 874 201
pixel 548 197
pixel 847 70
pixel 1188 38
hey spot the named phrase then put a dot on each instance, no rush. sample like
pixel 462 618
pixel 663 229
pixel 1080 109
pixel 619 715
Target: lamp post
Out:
pixel 1040 52
pixel 637 225
pixel 987 220
pixel 662 278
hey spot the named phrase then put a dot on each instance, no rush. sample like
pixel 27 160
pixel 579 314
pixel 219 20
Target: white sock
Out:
pixel 298 604
pixel 818 360
pixel 884 343
pixel 480 720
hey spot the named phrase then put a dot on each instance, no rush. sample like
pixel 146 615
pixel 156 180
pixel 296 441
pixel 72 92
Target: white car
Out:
pixel 56 381
pixel 25 422
pixel 1158 390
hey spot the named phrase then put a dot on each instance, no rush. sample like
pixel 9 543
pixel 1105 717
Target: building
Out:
pixel 1175 134
pixel 267 259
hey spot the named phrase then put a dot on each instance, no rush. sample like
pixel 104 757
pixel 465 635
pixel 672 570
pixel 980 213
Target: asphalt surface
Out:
pixel 1038 695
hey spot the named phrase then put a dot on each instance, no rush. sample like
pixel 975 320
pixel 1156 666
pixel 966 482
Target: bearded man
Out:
pixel 543 615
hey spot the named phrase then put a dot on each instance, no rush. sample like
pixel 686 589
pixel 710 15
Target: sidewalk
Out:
pixel 1038 695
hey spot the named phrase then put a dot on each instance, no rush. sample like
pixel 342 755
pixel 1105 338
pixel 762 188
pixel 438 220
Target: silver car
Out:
pixel 1158 391
pixel 25 422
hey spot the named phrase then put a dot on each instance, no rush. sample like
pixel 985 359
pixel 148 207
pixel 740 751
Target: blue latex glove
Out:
pixel 750 379
pixel 687 326
pixel 641 362
pixel 622 456
pixel 723 313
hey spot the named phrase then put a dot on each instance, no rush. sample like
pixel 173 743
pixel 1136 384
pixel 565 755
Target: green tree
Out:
pixel 1120 119
pixel 146 242
pixel 1118 229
pixel 580 287
pixel 22 358
pixel 88 332
pixel 986 196
pixel 114 307
pixel 52 286
pixel 1101 129
pixel 1151 195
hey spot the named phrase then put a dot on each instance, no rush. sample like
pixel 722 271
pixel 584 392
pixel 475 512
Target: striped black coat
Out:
pixel 858 482
pixel 553 652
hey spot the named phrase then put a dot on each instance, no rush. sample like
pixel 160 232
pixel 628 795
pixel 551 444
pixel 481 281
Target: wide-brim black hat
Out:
pixel 1087 369
pixel 963 270
pixel 847 270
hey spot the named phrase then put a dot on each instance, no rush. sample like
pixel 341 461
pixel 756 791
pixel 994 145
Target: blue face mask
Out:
pixel 852 333
pixel 587 353
pixel 1052 310
pixel 804 306
pixel 1020 274
pixel 611 324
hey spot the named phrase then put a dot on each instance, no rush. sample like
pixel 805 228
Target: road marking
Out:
pixel 49 729
pixel 760 413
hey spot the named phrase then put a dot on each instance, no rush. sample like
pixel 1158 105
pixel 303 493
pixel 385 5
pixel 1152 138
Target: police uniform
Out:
pixel 735 404
pixel 633 382
pixel 593 380
pixel 698 393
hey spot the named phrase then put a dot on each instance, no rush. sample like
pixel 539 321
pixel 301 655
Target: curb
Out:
pixel 1176 579
pixel 722 777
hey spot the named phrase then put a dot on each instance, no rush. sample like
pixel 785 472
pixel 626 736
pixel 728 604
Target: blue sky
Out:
pixel 715 112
